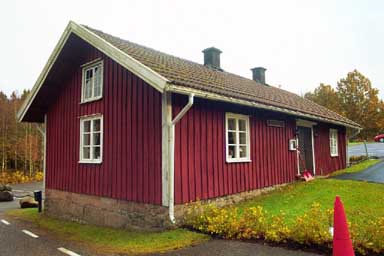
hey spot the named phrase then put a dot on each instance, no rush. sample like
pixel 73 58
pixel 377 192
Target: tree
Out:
pixel 356 99
pixel 326 96
pixel 360 102
pixel 4 120
pixel 20 143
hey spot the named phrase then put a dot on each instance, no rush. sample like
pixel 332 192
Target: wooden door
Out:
pixel 305 148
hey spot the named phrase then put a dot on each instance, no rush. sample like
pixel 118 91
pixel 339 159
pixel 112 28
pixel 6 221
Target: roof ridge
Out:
pixel 192 62
pixel 177 57
pixel 146 47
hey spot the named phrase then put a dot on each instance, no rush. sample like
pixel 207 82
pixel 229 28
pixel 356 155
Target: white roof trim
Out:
pixel 148 75
pixel 215 96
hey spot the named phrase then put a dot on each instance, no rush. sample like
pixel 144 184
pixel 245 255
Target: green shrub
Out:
pixel 277 231
pixel 313 227
pixel 253 223
pixel 213 220
pixel 308 229
pixel 369 238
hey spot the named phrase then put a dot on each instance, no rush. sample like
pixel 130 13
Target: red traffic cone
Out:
pixel 342 243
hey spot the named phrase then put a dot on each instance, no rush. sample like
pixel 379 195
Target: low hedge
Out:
pixel 15 177
pixel 357 159
pixel 310 230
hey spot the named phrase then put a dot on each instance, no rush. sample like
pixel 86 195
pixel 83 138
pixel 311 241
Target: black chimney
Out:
pixel 212 58
pixel 258 74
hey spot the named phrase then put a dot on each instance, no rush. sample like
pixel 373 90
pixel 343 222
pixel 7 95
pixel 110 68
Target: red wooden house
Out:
pixel 132 134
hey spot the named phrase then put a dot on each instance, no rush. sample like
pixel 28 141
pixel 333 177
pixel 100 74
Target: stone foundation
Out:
pixel 104 211
pixel 124 214
pixel 180 210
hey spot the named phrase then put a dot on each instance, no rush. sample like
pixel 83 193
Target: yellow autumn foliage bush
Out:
pixel 14 177
pixel 370 238
pixel 311 229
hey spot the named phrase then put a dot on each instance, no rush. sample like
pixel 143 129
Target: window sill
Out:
pixel 335 155
pixel 90 162
pixel 238 161
pixel 91 100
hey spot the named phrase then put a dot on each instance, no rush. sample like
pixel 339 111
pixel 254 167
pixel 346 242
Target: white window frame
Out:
pixel 92 65
pixel 82 120
pixel 237 159
pixel 333 142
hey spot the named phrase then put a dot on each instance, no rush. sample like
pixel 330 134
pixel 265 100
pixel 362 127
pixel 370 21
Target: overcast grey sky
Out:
pixel 301 43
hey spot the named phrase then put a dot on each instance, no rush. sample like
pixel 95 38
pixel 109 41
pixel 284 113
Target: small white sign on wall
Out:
pixel 292 144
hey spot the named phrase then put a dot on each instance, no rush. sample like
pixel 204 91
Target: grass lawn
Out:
pixel 358 167
pixel 361 200
pixel 355 143
pixel 300 214
pixel 110 240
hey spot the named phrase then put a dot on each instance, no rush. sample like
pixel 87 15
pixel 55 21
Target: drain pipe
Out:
pixel 43 132
pixel 171 174
pixel 347 144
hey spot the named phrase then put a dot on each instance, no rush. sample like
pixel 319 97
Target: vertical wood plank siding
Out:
pixel 201 171
pixel 131 167
pixel 325 164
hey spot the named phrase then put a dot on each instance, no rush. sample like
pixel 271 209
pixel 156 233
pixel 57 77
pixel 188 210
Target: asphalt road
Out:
pixel 20 190
pixel 374 149
pixel 14 242
pixel 229 248
pixel 372 174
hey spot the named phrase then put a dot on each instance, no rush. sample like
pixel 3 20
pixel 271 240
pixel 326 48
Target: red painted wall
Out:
pixel 325 164
pixel 201 171
pixel 131 167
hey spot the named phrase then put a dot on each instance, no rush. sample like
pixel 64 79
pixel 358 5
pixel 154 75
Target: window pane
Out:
pixel 96 138
pixel 86 139
pixel 242 125
pixel 97 83
pixel 86 153
pixel 231 138
pixel 96 125
pixel 88 89
pixel 88 74
pixel 96 152
pixel 88 84
pixel 97 90
pixel 87 126
pixel 243 137
pixel 243 151
pixel 231 152
pixel 231 124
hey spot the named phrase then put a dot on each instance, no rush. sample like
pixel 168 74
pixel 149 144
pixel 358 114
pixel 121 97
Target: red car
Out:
pixel 379 138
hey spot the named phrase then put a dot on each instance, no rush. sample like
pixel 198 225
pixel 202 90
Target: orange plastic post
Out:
pixel 342 243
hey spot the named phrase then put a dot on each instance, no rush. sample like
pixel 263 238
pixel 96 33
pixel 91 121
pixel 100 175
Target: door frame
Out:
pixel 308 124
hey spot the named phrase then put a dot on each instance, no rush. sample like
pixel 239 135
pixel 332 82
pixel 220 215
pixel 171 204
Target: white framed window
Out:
pixel 333 143
pixel 91 139
pixel 237 138
pixel 92 81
